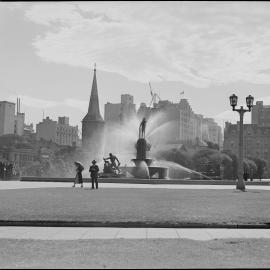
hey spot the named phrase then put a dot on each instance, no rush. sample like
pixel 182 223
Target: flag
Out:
pixel 182 93
pixel 151 93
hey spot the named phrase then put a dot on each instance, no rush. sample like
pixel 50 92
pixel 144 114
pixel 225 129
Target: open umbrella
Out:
pixel 79 163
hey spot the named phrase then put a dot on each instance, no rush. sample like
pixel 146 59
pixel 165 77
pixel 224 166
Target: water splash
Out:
pixel 178 168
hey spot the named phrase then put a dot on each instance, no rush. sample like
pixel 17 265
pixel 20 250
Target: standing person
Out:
pixel 2 165
pixel 78 178
pixel 94 169
pixel 245 176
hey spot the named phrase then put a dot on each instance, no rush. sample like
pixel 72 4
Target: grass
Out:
pixel 176 253
pixel 149 206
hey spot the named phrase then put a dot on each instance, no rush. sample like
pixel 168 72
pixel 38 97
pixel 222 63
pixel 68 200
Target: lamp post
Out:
pixel 233 101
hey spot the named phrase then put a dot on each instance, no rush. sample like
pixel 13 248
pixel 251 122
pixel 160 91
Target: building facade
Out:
pixel 177 123
pixel 58 132
pixel 11 123
pixel 7 117
pixel 118 113
pixel 19 123
pixel 260 114
pixel 211 131
pixel 256 141
pixel 18 156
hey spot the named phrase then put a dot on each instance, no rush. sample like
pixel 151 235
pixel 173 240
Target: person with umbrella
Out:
pixel 78 178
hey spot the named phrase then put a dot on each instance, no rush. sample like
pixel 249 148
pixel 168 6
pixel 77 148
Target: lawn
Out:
pixel 148 207
pixel 166 253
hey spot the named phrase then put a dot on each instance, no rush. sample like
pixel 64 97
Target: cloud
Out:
pixel 197 43
pixel 82 105
pixel 35 102
pixel 45 104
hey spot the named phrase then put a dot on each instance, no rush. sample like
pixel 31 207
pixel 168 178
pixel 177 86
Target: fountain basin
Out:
pixel 138 161
pixel 147 172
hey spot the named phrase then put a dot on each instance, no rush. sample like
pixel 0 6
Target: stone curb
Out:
pixel 52 223
pixel 143 181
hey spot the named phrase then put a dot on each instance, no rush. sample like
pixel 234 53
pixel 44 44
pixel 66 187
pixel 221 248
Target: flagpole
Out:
pixel 181 93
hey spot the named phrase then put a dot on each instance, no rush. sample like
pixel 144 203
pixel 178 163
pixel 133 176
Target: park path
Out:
pixel 5 185
pixel 82 233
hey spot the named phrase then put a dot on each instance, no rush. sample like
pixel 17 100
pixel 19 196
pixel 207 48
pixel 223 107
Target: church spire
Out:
pixel 93 109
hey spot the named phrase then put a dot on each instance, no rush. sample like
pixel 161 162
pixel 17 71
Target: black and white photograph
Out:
pixel 134 134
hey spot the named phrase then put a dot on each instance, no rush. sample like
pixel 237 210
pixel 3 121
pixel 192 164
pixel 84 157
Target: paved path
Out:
pixel 64 233
pixel 4 185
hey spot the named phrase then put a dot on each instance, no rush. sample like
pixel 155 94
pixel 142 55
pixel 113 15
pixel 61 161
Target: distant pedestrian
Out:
pixel 2 166
pixel 94 169
pixel 245 176
pixel 78 177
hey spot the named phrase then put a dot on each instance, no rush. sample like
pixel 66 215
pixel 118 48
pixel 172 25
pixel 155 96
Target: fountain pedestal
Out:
pixel 143 168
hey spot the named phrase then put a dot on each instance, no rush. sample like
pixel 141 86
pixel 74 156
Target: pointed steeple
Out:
pixel 93 109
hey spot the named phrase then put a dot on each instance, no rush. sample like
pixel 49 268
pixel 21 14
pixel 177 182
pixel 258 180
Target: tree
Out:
pixel 261 165
pixel 219 160
pixel 203 163
pixel 178 156
pixel 231 171
pixel 250 167
pixel 212 145
pixel 182 163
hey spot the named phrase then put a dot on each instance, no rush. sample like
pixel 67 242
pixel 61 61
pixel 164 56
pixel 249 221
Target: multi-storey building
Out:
pixel 19 120
pixel 19 123
pixel 7 117
pixel 256 141
pixel 211 131
pixel 118 113
pixel 11 123
pixel 190 123
pixel 144 111
pixel 177 123
pixel 19 156
pixel 59 132
pixel 118 119
pixel 260 114
pixel 28 132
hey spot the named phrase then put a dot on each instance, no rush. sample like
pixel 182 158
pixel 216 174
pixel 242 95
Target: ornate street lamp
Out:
pixel 249 101
pixel 233 101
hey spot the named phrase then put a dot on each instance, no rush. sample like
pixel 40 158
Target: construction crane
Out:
pixel 155 96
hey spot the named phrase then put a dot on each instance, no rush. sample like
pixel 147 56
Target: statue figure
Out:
pixel 112 163
pixel 142 129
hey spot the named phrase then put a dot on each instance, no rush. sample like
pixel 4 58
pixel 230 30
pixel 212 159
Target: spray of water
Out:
pixel 179 168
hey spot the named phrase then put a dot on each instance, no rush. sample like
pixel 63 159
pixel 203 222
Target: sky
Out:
pixel 209 50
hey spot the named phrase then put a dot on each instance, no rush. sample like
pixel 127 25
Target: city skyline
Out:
pixel 49 51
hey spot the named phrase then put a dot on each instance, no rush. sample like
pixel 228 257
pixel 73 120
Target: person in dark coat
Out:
pixel 245 176
pixel 94 169
pixel 78 178
pixel 2 166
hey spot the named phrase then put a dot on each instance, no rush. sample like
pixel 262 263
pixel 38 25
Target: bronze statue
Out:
pixel 142 128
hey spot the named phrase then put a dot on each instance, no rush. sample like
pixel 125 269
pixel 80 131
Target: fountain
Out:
pixel 143 168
